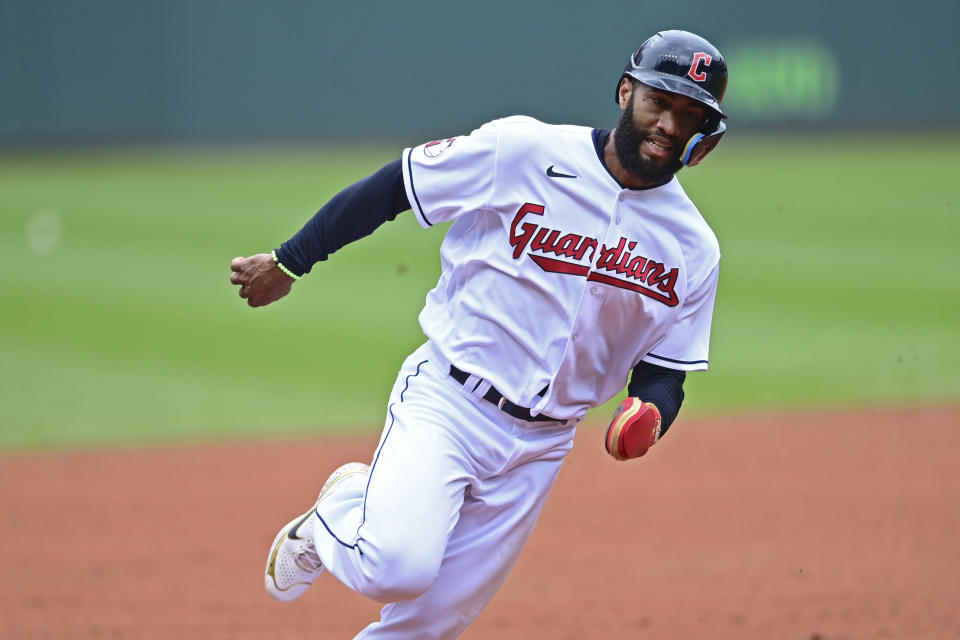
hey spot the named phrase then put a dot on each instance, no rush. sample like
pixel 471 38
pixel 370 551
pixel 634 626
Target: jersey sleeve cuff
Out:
pixel 673 363
pixel 411 190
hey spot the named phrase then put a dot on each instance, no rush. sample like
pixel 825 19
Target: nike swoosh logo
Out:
pixel 292 534
pixel 556 174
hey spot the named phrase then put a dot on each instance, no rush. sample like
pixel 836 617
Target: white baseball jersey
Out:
pixel 553 275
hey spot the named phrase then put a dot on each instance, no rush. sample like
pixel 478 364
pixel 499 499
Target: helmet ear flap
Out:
pixel 701 144
pixel 712 123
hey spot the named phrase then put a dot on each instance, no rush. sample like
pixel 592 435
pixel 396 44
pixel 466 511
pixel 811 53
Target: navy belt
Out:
pixel 494 396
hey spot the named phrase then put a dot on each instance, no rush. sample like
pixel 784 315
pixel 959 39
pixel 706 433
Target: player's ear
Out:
pixel 624 91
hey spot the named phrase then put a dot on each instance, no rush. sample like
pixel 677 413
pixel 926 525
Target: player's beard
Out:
pixel 627 140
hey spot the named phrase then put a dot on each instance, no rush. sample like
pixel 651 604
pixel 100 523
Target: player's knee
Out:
pixel 397 577
pixel 399 590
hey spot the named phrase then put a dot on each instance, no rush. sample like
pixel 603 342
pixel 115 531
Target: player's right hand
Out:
pixel 261 280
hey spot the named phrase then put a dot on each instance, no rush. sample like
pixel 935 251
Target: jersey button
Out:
pixel 618 219
pixel 622 196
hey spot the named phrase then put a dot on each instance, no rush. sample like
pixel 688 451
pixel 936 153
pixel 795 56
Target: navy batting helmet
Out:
pixel 684 63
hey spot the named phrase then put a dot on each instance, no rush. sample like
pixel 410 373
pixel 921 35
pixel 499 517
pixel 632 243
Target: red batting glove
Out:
pixel 634 429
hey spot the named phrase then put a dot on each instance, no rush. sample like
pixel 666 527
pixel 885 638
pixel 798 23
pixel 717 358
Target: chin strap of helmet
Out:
pixel 700 145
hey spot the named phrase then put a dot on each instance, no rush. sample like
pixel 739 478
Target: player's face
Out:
pixel 653 130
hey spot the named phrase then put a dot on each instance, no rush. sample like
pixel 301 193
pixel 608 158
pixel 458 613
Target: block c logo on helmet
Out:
pixel 699 57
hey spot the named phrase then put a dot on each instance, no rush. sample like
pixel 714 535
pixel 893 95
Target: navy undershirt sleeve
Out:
pixel 660 386
pixel 352 214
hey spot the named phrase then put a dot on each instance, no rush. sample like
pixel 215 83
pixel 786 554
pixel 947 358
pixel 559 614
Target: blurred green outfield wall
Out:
pixel 201 70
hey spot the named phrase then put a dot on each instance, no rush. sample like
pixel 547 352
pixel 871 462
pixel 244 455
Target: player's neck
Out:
pixel 624 177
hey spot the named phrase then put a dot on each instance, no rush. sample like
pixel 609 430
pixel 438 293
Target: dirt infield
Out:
pixel 815 526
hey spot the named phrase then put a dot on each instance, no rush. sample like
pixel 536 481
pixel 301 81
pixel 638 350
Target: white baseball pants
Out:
pixel 454 491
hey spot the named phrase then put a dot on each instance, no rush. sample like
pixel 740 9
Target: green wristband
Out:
pixel 283 268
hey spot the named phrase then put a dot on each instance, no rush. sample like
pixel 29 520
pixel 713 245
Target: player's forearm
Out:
pixel 661 387
pixel 352 214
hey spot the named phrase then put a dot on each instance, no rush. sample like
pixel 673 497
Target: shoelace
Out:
pixel 307 558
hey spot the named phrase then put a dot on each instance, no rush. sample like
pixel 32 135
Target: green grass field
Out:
pixel 840 285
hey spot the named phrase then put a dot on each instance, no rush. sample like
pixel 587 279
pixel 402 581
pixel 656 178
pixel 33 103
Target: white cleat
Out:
pixel 293 563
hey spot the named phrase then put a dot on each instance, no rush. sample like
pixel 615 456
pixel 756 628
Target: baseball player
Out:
pixel 574 263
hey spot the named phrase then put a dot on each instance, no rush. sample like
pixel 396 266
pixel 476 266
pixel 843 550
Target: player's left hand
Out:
pixel 261 280
pixel 634 429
